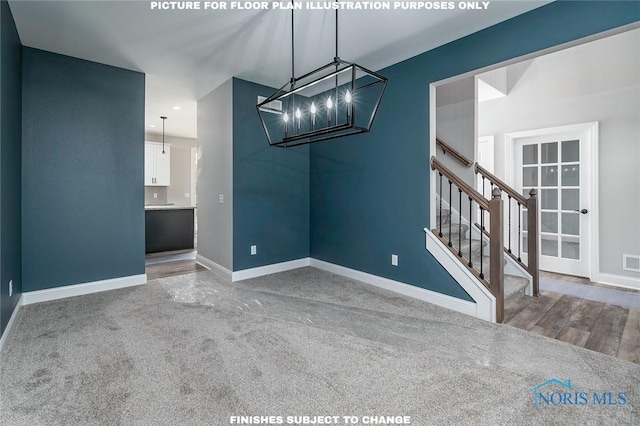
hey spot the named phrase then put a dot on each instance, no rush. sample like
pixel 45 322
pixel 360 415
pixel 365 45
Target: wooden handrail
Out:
pixel 500 184
pixel 455 154
pixel 465 187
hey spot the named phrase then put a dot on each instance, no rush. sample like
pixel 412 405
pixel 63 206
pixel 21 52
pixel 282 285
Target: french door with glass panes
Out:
pixel 557 166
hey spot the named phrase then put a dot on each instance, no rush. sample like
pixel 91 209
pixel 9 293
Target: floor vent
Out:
pixel 631 263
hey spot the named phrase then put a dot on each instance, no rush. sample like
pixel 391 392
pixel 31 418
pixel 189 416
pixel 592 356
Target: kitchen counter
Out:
pixel 169 228
pixel 167 207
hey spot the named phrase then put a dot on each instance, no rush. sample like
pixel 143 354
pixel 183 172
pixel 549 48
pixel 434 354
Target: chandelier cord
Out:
pixel 293 50
pixel 337 34
pixel 163 119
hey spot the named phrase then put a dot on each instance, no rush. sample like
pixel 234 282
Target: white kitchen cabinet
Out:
pixel 157 166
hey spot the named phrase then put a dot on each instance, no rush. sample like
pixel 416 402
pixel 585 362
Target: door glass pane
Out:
pixel 550 175
pixel 549 245
pixel 570 175
pixel 524 220
pixel 525 242
pixel 529 176
pixel 570 199
pixel 549 222
pixel 549 152
pixel 571 248
pixel 570 151
pixel 549 199
pixel 529 154
pixel 571 223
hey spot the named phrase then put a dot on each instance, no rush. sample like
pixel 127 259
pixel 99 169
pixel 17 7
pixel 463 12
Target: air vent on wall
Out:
pixel 631 263
pixel 274 107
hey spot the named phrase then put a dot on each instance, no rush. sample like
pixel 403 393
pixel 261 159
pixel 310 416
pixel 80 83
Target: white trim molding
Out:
pixel 211 265
pixel 48 294
pixel 415 292
pixel 619 281
pixel 7 329
pixel 485 302
pixel 246 274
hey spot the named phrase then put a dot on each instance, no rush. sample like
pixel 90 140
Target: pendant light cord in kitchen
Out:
pixel 163 118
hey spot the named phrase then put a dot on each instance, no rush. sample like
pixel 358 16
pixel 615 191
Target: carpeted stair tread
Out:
pixel 514 286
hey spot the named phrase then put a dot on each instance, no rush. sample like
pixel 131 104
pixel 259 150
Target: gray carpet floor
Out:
pixel 197 349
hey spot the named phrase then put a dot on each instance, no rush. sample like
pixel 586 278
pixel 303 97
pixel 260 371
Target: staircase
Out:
pixel 493 246
pixel 514 285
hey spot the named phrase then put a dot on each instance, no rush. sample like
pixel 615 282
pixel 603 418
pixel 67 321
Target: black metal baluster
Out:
pixel 509 208
pixel 459 222
pixel 450 204
pixel 519 232
pixel 483 183
pixel 470 232
pixel 481 243
pixel 440 216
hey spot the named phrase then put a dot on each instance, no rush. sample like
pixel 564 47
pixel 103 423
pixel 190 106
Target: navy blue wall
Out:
pixel 82 172
pixel 370 193
pixel 10 163
pixel 270 188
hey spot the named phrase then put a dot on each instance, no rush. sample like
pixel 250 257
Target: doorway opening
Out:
pixel 563 123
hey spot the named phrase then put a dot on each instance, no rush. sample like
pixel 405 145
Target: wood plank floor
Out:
pixel 161 270
pixel 598 326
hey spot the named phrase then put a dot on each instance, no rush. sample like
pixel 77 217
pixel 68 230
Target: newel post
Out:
pixel 532 240
pixel 495 252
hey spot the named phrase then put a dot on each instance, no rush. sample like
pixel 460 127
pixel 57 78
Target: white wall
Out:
pixel 180 167
pixel 599 82
pixel 455 125
pixel 215 176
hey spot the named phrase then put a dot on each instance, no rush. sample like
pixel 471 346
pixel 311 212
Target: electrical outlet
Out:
pixel 254 250
pixel 394 259
pixel 155 195
pixel 10 288
pixel 221 198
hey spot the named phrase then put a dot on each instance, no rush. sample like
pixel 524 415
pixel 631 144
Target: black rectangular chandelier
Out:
pixel 335 100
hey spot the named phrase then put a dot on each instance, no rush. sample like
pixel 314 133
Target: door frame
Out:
pixel 594 210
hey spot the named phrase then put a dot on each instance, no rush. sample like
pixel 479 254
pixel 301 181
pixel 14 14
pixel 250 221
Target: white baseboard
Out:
pixel 619 281
pixel 425 295
pixel 485 302
pixel 210 264
pixel 7 329
pixel 38 296
pixel 246 274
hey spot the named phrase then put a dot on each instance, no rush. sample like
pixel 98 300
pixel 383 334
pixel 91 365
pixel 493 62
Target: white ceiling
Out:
pixel 187 54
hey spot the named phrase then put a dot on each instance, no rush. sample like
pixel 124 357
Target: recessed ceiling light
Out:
pixel 176 107
pixel 152 125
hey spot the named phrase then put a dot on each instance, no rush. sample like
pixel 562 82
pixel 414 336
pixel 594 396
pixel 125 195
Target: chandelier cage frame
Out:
pixel 347 95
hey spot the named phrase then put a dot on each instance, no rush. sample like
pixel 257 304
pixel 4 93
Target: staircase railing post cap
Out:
pixel 496 193
pixel 533 192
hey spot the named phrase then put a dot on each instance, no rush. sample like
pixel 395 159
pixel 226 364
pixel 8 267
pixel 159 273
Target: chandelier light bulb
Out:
pixel 282 114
